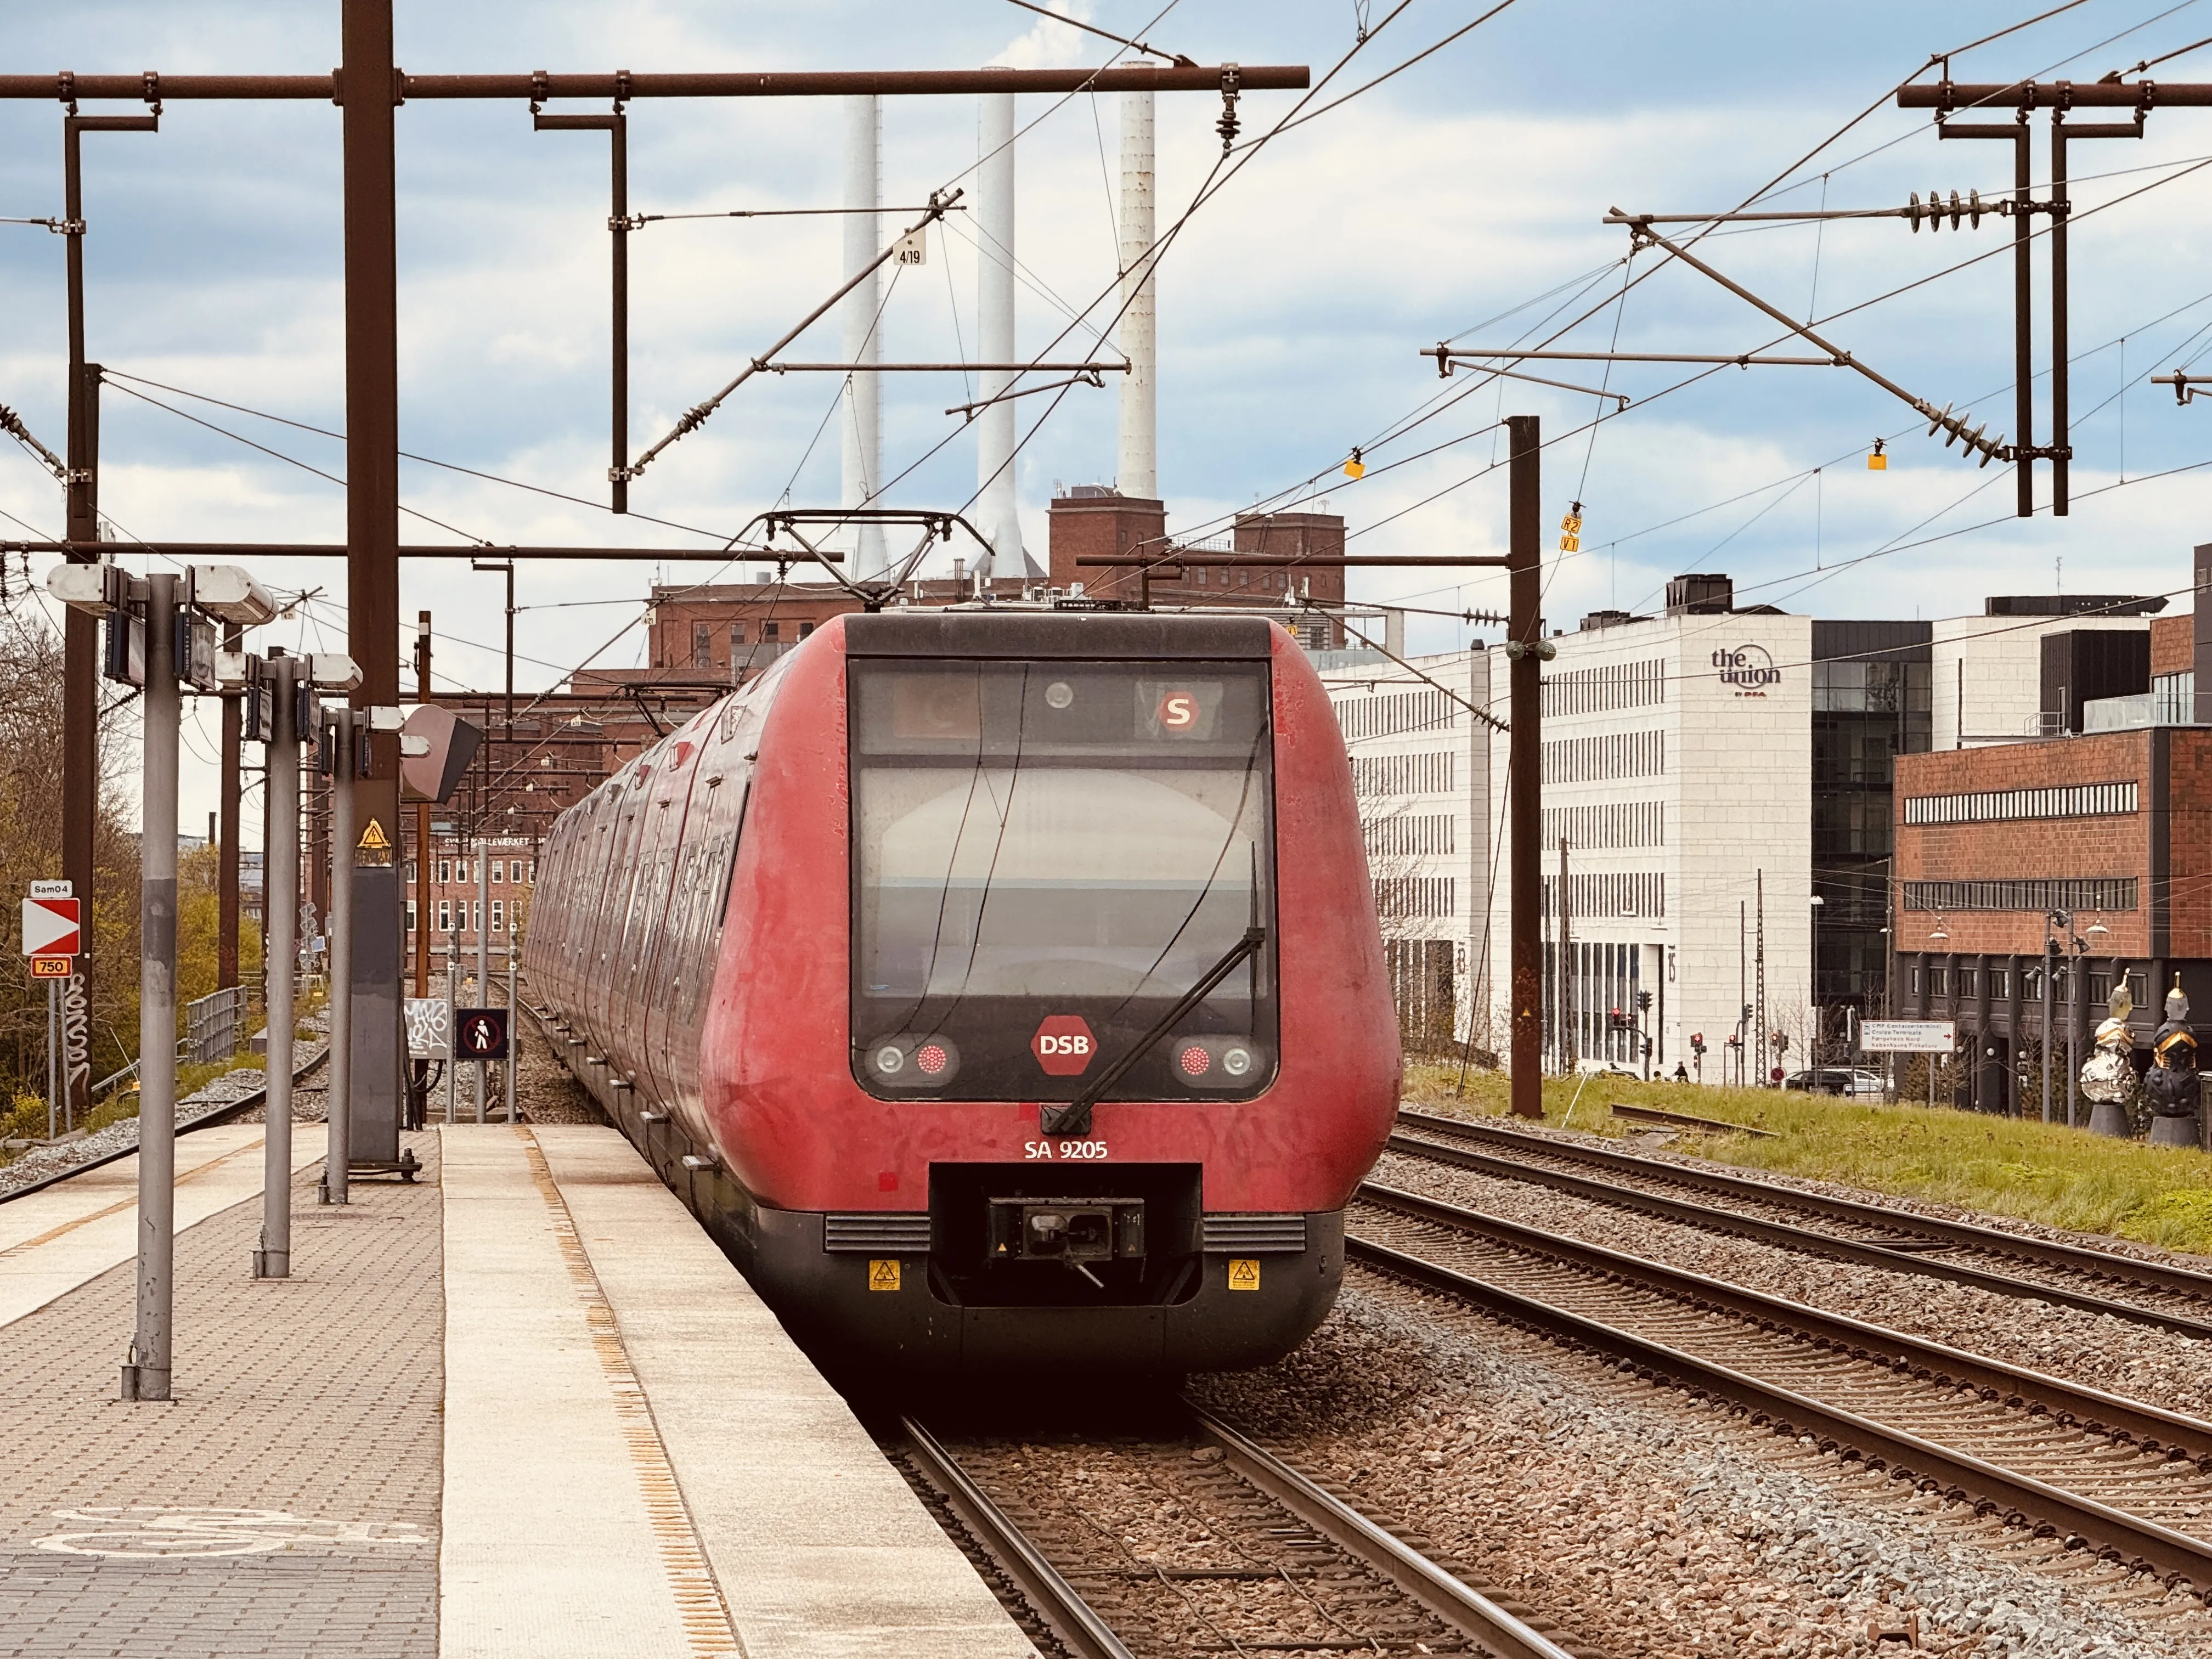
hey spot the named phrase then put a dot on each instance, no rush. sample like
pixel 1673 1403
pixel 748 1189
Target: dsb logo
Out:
pixel 1064 1045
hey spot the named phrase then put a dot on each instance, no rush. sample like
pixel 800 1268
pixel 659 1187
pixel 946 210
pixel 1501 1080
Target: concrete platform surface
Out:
pixel 637 1460
pixel 54 1240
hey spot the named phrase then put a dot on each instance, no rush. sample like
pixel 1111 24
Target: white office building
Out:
pixel 1678 770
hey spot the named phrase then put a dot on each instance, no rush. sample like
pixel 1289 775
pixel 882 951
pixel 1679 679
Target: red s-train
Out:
pixel 998 986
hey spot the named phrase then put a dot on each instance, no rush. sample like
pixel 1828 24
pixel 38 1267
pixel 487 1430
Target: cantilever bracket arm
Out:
pixel 1939 420
pixel 695 417
pixel 2186 387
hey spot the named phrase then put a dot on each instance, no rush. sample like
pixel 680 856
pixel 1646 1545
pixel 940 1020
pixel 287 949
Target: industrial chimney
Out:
pixel 998 515
pixel 864 410
pixel 1137 474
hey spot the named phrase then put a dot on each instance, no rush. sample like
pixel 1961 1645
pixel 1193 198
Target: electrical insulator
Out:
pixel 1355 468
pixel 1877 462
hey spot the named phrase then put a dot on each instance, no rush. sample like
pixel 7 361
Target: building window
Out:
pixel 499 870
pixel 702 645
pixel 514 870
pixel 2000 982
pixel 2079 800
pixel 533 872
pixel 410 915
pixel 445 872
pixel 1970 983
pixel 1939 981
pixel 2100 987
pixel 476 916
pixel 499 915
pixel 736 633
pixel 771 632
pixel 410 872
pixel 2087 893
pixel 805 628
pixel 1916 981
pixel 444 915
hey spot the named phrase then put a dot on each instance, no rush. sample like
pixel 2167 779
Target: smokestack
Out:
pixel 1138 473
pixel 864 410
pixel 997 513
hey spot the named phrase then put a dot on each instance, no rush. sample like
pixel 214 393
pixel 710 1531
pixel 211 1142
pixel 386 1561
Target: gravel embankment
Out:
pixel 1656 1529
pixel 41 1162
pixel 2142 1362
pixel 547 1092
pixel 1664 1147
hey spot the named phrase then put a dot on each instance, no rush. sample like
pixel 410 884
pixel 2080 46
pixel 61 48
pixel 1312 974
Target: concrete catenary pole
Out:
pixel 337 1166
pixel 146 1377
pixel 513 1018
pixel 280 960
pixel 1138 473
pixel 453 1016
pixel 998 515
pixel 483 962
pixel 1524 777
pixel 864 337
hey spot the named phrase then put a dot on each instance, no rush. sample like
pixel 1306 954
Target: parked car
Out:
pixel 1853 1082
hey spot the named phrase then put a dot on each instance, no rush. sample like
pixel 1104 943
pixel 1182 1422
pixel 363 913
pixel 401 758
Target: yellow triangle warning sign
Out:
pixel 373 839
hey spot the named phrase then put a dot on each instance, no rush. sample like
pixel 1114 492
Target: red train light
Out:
pixel 1194 1061
pixel 931 1057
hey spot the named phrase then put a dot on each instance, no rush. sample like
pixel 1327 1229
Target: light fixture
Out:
pixel 2097 927
pixel 1817 899
pixel 1939 934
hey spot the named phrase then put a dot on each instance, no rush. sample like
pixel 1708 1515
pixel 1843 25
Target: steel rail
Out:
pixel 1443 1594
pixel 1903 1255
pixel 2072 1405
pixel 2175 1557
pixel 1056 1601
pixel 206 1121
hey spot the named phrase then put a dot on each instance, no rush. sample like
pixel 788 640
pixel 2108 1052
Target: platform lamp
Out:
pixel 1940 936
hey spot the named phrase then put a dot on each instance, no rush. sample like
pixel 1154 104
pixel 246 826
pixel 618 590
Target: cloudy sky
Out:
pixel 1462 199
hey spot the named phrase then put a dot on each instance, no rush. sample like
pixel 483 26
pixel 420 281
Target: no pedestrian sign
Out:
pixel 480 1034
pixel 51 928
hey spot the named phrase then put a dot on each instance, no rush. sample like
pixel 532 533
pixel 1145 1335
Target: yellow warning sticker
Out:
pixel 1243 1273
pixel 374 847
pixel 884 1275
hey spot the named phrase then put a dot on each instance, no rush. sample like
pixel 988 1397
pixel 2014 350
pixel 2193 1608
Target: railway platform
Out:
pixel 522 1405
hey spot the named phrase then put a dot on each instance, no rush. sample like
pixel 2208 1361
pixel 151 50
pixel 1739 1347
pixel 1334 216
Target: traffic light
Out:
pixel 1619 1020
pixel 1696 1042
pixel 1644 1002
pixel 1781 1043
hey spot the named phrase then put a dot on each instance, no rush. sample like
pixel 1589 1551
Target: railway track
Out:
pixel 2131 1482
pixel 206 1120
pixel 1186 1538
pixel 1844 1230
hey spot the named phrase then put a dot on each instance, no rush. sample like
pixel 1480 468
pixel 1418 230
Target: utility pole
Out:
pixel 338 1163
pixel 280 955
pixel 146 1376
pixel 619 226
pixel 81 629
pixel 507 567
pixel 369 91
pixel 1743 1000
pixel 422 848
pixel 226 853
pixel 1526 649
pixel 1759 960
pixel 484 956
pixel 1570 1057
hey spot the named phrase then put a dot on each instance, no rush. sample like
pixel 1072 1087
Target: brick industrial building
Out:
pixel 2107 823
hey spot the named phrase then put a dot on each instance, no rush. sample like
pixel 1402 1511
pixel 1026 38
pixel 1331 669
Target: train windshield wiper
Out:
pixel 1074 1117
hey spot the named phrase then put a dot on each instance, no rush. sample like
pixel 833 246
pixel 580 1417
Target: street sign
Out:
pixel 51 928
pixel 53 889
pixel 480 1034
pixel 1909 1037
pixel 53 967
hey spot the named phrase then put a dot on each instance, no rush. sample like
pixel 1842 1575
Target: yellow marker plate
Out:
pixel 1243 1273
pixel 884 1275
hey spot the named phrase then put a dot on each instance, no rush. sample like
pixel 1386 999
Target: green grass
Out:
pixel 2008 1166
pixel 123 1103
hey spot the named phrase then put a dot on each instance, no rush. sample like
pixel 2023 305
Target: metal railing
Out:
pixel 213 1026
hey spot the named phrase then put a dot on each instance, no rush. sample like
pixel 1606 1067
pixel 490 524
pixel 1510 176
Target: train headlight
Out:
pixel 1236 1062
pixel 1059 694
pixel 910 1060
pixel 1205 1061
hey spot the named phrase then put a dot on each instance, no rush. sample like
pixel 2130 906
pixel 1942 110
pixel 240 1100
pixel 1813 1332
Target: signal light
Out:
pixel 1877 462
pixel 931 1058
pixel 1355 468
pixel 1194 1061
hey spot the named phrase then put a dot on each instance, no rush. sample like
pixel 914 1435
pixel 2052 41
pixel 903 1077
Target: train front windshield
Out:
pixel 1046 857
